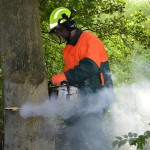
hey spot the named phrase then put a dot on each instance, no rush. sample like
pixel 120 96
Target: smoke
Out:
pixel 67 108
pixel 130 112
pixel 132 108
pixel 72 111
pixel 127 112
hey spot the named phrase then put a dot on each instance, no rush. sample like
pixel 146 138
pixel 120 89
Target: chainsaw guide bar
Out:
pixel 12 108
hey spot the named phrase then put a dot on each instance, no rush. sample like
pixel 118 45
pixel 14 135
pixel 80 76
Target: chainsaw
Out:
pixel 64 91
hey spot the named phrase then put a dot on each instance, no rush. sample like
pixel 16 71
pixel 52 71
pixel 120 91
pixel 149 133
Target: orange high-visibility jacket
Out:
pixel 83 60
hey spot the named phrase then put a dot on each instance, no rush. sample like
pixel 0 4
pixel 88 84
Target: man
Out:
pixel 86 66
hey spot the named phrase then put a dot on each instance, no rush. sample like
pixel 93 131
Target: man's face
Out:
pixel 61 31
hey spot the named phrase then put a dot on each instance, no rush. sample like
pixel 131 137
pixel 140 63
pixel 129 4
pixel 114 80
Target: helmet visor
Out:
pixel 59 34
pixel 56 38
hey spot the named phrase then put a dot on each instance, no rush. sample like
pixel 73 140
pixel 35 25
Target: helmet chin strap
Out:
pixel 68 37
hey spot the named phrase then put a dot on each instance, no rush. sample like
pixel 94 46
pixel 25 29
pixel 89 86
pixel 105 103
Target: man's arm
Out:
pixel 85 69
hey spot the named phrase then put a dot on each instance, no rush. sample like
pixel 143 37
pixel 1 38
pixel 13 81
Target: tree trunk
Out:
pixel 24 77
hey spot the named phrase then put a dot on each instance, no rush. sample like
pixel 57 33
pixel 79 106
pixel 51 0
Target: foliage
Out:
pixel 124 32
pixel 133 139
pixel 53 56
pixel 133 5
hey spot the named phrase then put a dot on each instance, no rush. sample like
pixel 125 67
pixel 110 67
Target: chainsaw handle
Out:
pixel 67 85
pixel 51 87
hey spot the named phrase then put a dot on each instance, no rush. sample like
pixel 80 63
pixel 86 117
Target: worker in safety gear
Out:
pixel 85 62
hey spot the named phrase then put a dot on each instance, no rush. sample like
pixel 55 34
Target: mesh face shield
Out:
pixel 59 34
pixel 57 39
pixel 62 32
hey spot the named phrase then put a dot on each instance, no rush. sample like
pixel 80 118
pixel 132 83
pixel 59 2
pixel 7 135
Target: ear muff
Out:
pixel 69 24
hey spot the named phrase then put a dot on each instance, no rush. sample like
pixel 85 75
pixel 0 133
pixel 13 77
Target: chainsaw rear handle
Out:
pixel 66 83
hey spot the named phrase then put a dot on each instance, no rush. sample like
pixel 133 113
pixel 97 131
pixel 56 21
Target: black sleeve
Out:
pixel 85 69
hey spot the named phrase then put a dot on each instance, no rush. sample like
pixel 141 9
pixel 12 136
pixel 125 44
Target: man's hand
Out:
pixel 57 79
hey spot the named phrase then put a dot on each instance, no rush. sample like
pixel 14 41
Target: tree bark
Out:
pixel 24 77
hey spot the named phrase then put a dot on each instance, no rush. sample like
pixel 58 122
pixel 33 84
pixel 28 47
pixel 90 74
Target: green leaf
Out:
pixel 135 134
pixel 120 144
pixel 124 141
pixel 125 136
pixel 131 141
pixel 147 133
pixel 118 137
pixel 115 143
pixel 130 134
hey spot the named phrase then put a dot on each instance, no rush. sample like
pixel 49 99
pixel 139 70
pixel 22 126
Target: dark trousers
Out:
pixel 86 133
